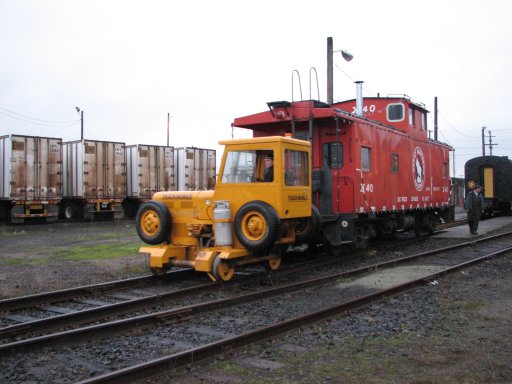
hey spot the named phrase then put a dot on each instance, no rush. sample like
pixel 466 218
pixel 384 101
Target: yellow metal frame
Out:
pixel 192 211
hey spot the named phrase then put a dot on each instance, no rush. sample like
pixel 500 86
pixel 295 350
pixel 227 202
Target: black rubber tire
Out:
pixel 153 222
pixel 308 232
pixel 259 210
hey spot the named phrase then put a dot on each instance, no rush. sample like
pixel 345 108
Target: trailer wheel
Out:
pixel 71 211
pixel 153 222
pixel 307 231
pixel 222 270
pixel 256 226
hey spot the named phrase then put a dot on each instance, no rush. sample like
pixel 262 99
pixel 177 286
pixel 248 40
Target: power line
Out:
pixel 32 120
pixel 350 77
pixel 455 129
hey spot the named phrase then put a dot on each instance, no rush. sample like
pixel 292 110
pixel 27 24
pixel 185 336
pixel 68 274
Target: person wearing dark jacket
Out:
pixel 474 206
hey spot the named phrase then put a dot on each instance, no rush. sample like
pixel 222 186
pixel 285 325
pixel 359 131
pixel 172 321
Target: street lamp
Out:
pixel 81 123
pixel 346 55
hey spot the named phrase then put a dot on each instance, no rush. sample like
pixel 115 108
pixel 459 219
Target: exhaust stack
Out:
pixel 359 98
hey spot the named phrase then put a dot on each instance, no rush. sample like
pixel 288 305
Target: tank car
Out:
pixel 494 174
pixel 376 171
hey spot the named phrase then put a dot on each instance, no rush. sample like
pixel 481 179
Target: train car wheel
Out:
pixel 222 270
pixel 274 264
pixel 362 238
pixel 158 272
pixel 256 226
pixel 307 230
pixel 153 222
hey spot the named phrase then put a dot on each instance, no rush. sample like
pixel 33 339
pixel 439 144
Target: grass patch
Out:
pixel 98 252
pixel 230 368
pixel 471 305
pixel 25 261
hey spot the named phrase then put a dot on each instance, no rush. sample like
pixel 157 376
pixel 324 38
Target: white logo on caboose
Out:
pixel 418 168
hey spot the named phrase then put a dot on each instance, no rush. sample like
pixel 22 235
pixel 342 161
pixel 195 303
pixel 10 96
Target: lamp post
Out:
pixel 81 123
pixel 347 56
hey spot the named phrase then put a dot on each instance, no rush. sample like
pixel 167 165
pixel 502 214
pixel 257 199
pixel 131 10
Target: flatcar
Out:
pixel 375 170
pixel 494 174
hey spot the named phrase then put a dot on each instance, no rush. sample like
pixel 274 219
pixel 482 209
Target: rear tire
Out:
pixel 256 226
pixel 153 222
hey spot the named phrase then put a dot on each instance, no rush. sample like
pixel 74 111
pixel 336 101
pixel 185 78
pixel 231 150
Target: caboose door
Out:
pixel 334 158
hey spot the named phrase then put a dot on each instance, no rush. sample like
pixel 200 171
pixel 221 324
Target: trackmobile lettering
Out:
pixel 184 196
pixel 297 198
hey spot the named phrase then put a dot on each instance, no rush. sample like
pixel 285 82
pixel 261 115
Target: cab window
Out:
pixel 296 168
pixel 248 166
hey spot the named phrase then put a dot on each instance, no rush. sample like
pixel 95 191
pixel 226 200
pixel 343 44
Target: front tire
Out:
pixel 153 222
pixel 256 226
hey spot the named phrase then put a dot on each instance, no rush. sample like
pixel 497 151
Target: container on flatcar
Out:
pixel 494 174
pixel 94 179
pixel 150 169
pixel 31 177
pixel 196 168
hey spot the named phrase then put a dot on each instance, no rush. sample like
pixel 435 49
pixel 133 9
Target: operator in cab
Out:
pixel 268 176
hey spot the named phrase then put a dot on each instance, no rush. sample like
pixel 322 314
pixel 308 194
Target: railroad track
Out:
pixel 455 223
pixel 87 290
pixel 191 320
pixel 168 294
pixel 82 305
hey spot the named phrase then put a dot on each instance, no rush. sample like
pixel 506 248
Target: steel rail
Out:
pixel 178 314
pixel 98 313
pixel 208 351
pixel 27 301
pixel 70 293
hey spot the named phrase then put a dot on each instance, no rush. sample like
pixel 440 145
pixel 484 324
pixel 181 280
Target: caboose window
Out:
pixel 395 112
pixel 394 162
pixel 445 170
pixel 423 122
pixel 366 159
pixel 332 154
pixel 411 117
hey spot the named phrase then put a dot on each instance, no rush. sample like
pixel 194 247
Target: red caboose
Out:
pixel 373 174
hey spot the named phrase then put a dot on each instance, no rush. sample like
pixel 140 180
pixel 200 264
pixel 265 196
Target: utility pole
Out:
pixel 78 110
pixel 347 56
pixel 490 143
pixel 483 141
pixel 329 71
pixel 82 126
pixel 435 119
pixel 168 126
pixel 453 163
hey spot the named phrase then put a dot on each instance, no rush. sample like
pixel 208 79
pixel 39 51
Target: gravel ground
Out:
pixel 456 331
pixel 37 258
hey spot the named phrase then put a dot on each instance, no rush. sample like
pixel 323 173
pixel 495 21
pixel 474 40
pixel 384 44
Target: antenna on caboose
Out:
pixel 346 55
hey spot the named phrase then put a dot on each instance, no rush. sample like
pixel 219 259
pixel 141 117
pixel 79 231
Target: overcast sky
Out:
pixel 127 64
